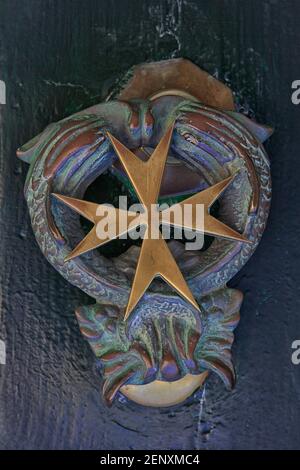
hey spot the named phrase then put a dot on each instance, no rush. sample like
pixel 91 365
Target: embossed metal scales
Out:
pixel 163 351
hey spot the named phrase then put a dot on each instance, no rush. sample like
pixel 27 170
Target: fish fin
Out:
pixel 261 132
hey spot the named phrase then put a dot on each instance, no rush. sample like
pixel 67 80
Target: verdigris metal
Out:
pixel 165 339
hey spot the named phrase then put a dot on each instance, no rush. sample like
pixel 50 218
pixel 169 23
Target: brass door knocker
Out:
pixel 163 317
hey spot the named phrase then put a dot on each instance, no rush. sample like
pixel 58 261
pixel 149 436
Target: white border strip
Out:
pixel 2 92
pixel 2 352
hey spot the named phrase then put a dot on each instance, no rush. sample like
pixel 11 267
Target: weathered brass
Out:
pixel 158 349
pixel 159 393
pixel 155 257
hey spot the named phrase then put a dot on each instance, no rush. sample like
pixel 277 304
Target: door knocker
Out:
pixel 162 317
